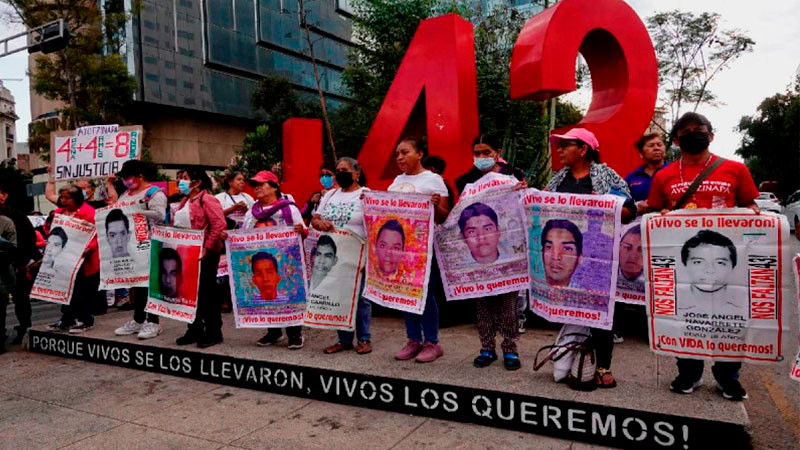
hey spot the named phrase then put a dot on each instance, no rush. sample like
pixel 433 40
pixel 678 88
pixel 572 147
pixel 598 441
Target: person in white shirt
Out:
pixel 415 179
pixel 234 201
pixel 341 207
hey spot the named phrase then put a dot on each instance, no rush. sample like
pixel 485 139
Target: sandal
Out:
pixel 604 379
pixel 363 347
pixel 511 361
pixel 485 358
pixel 337 347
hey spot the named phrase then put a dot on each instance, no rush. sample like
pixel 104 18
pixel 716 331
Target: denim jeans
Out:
pixel 363 319
pixel 723 371
pixel 426 323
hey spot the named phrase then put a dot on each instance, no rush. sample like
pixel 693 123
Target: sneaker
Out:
pixel 209 341
pixel 79 327
pixel 130 327
pixel 430 352
pixel 511 361
pixel 410 350
pixel 269 339
pixel 684 385
pixel 521 327
pixel 485 358
pixel 58 326
pixel 618 339
pixel 733 390
pixel 296 342
pixel 187 339
pixel 363 347
pixel 337 347
pixel 149 330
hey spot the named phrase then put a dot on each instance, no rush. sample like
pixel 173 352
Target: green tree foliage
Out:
pixel 771 141
pixel 94 86
pixel 692 49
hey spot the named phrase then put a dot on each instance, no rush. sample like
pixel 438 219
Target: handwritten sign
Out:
pixel 95 151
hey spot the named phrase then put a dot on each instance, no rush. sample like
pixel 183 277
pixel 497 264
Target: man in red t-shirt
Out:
pixel 729 185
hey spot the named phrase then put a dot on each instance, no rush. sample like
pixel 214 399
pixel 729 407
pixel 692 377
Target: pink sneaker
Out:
pixel 429 352
pixel 410 350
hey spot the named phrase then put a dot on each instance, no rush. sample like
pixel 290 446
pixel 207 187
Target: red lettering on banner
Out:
pixel 763 294
pixel 616 46
pixel 664 291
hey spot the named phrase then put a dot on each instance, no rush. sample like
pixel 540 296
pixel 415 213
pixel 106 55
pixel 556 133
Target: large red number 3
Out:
pixel 617 48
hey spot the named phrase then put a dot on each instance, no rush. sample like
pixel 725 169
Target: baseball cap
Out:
pixel 581 134
pixel 132 167
pixel 265 176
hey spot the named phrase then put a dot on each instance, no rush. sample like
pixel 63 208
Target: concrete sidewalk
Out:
pixel 49 402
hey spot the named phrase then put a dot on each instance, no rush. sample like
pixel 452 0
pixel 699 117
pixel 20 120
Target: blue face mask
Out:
pixel 326 181
pixel 185 187
pixel 484 164
pixel 85 195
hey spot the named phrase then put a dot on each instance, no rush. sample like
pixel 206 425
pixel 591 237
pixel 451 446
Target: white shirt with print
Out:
pixel 344 210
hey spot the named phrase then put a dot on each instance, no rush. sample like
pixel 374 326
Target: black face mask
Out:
pixel 344 179
pixel 694 142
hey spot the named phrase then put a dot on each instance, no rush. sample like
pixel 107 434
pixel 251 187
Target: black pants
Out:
pixel 81 305
pixel 22 300
pixel 139 304
pixel 603 347
pixel 723 371
pixel 295 331
pixel 209 315
pixel 7 285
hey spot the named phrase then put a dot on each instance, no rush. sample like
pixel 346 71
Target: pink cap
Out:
pixel 577 133
pixel 264 176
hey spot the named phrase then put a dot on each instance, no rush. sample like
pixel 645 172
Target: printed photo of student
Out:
pixel 631 264
pixel 324 258
pixel 266 276
pixel 55 245
pixel 481 231
pixel 170 271
pixel 562 246
pixel 118 233
pixel 709 260
pixel 390 244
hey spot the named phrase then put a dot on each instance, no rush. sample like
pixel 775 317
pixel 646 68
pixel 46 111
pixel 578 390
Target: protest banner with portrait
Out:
pixel 715 284
pixel 174 272
pixel 334 263
pixel 630 278
pixel 399 249
pixel 573 240
pixel 94 151
pixel 123 239
pixel 63 258
pixel 795 371
pixel 267 277
pixel 481 247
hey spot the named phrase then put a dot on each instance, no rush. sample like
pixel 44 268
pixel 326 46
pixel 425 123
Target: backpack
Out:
pixel 153 190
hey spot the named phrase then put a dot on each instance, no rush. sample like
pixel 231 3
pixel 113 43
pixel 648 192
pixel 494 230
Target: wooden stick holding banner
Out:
pixel 94 151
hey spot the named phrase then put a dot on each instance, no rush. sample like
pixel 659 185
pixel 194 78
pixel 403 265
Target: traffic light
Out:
pixel 48 38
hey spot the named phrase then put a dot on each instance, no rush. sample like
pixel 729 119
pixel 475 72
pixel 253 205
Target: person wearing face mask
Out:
pixel 342 208
pixel 199 210
pixel 723 184
pixel 328 181
pixel 486 150
pixel 136 176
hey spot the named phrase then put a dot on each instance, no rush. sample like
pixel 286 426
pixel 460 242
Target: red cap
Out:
pixel 264 176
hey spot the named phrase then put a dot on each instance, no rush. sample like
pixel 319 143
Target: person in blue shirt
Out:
pixel 652 150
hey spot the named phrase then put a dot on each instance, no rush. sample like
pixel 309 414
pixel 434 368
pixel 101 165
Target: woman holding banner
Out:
pixel 77 317
pixel 136 176
pixel 272 209
pixel 583 173
pixel 415 179
pixel 199 210
pixel 342 208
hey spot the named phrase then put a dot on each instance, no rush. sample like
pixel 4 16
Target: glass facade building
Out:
pixel 208 55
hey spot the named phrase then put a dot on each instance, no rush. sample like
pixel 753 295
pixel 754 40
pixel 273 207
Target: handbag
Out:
pixel 584 366
pixel 568 345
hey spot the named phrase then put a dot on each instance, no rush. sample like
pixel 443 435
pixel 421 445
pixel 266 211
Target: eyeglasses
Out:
pixel 566 144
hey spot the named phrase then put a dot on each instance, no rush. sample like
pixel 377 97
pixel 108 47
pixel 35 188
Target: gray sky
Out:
pixel 769 69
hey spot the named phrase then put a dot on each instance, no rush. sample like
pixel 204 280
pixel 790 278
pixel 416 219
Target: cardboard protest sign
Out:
pixel 573 240
pixel 334 262
pixel 63 258
pixel 399 248
pixel 174 272
pixel 715 285
pixel 123 239
pixel 481 247
pixel 94 151
pixel 795 372
pixel 267 277
pixel 630 278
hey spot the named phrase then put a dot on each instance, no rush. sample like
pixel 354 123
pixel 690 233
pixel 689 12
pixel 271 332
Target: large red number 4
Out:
pixel 617 48
pixel 64 148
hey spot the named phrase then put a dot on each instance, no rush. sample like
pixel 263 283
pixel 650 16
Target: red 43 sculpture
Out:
pixel 435 91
